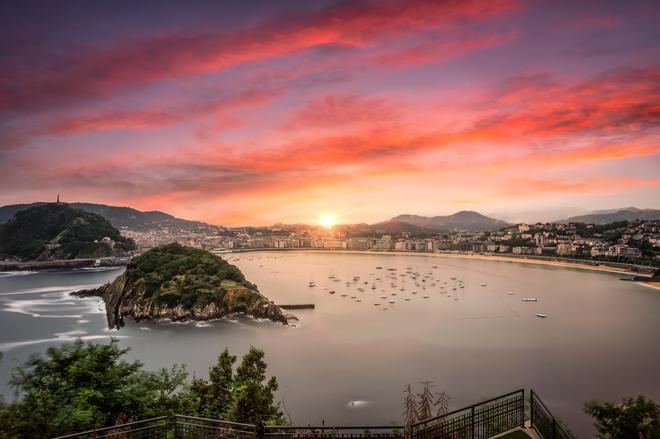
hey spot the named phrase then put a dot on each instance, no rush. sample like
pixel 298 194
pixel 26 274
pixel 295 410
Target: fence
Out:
pixel 478 421
pixel 189 427
pixel 155 428
pixel 543 422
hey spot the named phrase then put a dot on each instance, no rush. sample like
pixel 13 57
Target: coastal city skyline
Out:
pixel 290 111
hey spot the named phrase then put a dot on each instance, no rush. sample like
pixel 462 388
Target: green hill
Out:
pixel 182 283
pixel 120 217
pixel 57 231
pixel 610 216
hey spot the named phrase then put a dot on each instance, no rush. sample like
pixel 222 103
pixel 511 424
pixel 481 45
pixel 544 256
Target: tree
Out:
pixel 80 386
pixel 215 395
pixel 244 396
pixel 410 413
pixel 83 386
pixel 442 403
pixel 425 408
pixel 632 418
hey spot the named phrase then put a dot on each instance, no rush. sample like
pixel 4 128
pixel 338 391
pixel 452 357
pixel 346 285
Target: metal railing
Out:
pixel 155 428
pixel 478 421
pixel 190 427
pixel 546 425
pixel 283 432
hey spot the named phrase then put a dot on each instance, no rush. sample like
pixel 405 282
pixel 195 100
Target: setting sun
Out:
pixel 327 220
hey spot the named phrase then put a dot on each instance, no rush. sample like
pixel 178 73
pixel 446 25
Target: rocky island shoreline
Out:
pixel 182 283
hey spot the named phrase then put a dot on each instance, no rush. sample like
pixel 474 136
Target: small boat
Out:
pixel 344 295
pixel 510 293
pixel 425 297
pixel 359 300
pixel 383 297
pixel 483 285
pixel 392 301
pixel 331 292
pixel 376 304
pixel 360 289
pixel 379 267
pixel 312 285
pixel 529 299
pixel 541 315
pixel 352 297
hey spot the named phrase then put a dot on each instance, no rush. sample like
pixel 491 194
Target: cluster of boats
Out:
pixel 397 286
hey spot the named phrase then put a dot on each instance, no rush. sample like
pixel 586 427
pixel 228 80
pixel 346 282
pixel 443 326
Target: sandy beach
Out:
pixel 586 265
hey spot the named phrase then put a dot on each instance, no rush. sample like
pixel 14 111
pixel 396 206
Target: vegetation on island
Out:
pixel 182 283
pixel 174 275
pixel 82 386
pixel 57 231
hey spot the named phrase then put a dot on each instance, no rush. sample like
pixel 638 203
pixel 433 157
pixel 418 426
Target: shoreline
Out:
pixel 586 265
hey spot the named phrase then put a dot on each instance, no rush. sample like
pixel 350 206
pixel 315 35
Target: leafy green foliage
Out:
pixel 83 386
pixel 246 395
pixel 80 386
pixel 632 418
pixel 58 231
pixel 174 274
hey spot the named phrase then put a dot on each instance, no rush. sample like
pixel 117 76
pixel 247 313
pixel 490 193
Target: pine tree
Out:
pixel 410 414
pixel 442 402
pixel 426 401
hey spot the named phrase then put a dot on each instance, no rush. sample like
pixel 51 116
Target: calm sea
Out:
pixel 347 361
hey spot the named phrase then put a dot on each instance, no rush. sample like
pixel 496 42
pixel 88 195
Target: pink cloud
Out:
pixel 142 61
pixel 444 49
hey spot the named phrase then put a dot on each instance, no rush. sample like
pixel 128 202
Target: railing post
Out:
pixel 260 431
pixel 171 425
pixel 522 409
pixel 531 407
pixel 472 422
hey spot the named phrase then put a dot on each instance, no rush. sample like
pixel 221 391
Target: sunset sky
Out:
pixel 256 112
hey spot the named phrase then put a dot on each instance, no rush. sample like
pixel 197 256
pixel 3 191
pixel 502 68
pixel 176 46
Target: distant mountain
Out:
pixel 611 215
pixel 120 217
pixel 465 219
pixel 394 226
pixel 57 231
pixel 539 215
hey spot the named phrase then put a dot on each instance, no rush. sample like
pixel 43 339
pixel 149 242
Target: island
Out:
pixel 58 232
pixel 182 283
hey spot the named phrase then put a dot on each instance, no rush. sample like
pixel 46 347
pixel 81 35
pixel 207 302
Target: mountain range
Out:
pixel 465 219
pixel 120 217
pixel 611 215
pixel 133 219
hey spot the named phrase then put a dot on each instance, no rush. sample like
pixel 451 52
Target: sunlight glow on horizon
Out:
pixel 327 220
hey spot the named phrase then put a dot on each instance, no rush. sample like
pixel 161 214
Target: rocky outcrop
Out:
pixel 124 297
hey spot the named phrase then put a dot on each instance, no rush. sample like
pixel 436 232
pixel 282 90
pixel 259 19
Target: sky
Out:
pixel 258 112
